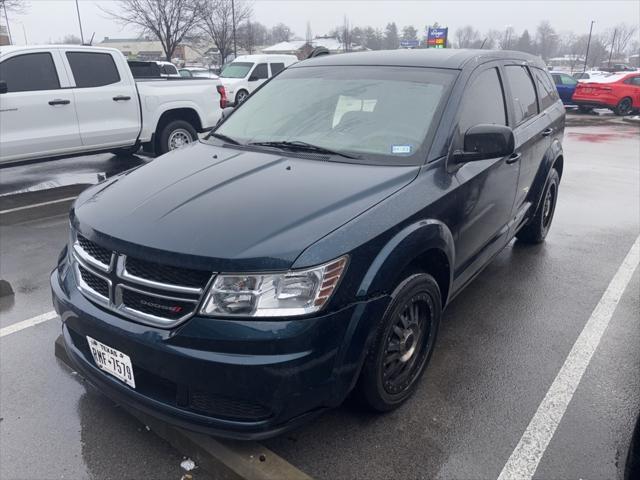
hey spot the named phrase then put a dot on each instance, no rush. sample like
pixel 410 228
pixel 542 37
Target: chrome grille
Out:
pixel 147 292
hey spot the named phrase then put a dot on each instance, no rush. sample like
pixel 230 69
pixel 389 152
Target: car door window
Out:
pixel 556 79
pixel 261 72
pixel 276 68
pixel 633 81
pixel 29 72
pixel 568 80
pixel 169 70
pixel 523 93
pixel 483 102
pixel 546 89
pixel 93 69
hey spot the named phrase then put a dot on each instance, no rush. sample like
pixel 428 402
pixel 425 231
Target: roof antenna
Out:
pixel 91 40
pixel 481 46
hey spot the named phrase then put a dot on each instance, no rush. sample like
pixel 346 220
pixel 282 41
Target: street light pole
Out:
pixel 79 22
pixel 584 69
pixel 233 19
pixel 613 41
pixel 4 6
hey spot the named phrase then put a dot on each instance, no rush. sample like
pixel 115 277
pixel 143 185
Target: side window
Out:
pixel 556 79
pixel 276 68
pixel 29 72
pixel 567 80
pixel 633 81
pixel 522 91
pixel 169 70
pixel 93 69
pixel 546 90
pixel 483 102
pixel 261 72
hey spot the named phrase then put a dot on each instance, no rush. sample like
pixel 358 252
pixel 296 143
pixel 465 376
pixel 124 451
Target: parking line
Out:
pixel 36 205
pixel 30 322
pixel 524 460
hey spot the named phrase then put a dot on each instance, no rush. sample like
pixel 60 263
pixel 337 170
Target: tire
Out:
pixel 536 230
pixel 175 134
pixel 241 96
pixel 583 109
pixel 624 107
pixel 402 345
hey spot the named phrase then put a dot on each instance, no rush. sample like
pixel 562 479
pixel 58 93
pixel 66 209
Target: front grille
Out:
pixel 96 252
pixel 167 274
pixel 156 306
pixel 94 282
pixel 146 292
pixel 223 407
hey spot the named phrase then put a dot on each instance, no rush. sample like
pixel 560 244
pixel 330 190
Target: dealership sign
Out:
pixel 409 43
pixel 437 37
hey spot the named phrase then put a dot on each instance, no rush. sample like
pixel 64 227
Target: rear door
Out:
pixel 632 87
pixel 487 187
pixel 566 85
pixel 37 115
pixel 106 101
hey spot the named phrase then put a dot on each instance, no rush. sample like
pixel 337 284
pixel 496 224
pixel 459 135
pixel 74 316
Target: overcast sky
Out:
pixel 50 20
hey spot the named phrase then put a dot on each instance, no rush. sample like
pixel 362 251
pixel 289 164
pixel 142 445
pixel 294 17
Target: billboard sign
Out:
pixel 409 43
pixel 437 37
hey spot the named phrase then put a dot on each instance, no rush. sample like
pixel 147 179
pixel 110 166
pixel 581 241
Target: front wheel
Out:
pixel 538 227
pixel 624 107
pixel 403 344
pixel 176 134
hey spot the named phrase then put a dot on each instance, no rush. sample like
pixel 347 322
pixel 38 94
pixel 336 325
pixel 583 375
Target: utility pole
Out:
pixel 615 31
pixel 584 69
pixel 79 22
pixel 233 19
pixel 4 6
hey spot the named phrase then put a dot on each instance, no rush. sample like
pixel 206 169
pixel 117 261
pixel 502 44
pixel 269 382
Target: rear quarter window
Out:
pixel 523 94
pixel 93 69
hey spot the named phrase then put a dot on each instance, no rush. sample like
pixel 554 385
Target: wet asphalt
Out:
pixel 502 342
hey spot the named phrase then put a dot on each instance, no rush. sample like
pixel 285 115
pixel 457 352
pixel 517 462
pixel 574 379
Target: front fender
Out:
pixel 404 247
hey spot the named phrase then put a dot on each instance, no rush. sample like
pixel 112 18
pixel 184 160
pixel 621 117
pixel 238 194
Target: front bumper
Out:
pixel 229 378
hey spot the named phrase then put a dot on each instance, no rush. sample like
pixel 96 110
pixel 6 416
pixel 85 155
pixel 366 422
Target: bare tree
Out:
pixel 546 40
pixel 466 36
pixel 409 33
pixel 170 21
pixel 250 34
pixel 281 33
pixel 218 20
pixel 624 36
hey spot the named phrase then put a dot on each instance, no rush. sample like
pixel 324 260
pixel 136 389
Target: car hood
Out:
pixel 230 210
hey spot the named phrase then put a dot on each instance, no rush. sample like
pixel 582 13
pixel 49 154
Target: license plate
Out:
pixel 112 361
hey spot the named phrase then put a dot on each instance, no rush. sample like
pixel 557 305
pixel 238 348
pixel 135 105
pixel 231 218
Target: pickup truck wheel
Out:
pixel 241 96
pixel 536 230
pixel 402 345
pixel 176 134
pixel 624 107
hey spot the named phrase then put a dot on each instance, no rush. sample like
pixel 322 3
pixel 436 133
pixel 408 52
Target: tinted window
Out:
pixel 93 69
pixel 546 89
pixel 276 68
pixel 169 70
pixel 483 102
pixel 144 69
pixel 260 72
pixel 27 73
pixel 522 92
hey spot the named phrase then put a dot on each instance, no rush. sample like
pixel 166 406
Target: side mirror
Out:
pixel 3 87
pixel 485 141
pixel 225 113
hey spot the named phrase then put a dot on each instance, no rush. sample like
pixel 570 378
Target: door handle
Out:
pixel 514 157
pixel 547 131
pixel 121 98
pixel 59 101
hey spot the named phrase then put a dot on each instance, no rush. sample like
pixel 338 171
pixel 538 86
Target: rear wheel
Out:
pixel 624 107
pixel 403 344
pixel 176 134
pixel 241 96
pixel 536 230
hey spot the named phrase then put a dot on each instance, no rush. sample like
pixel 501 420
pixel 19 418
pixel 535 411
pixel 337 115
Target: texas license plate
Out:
pixel 112 361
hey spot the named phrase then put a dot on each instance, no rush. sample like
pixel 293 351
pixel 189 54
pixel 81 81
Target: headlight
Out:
pixel 288 294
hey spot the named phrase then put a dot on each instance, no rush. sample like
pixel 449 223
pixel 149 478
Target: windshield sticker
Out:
pixel 396 149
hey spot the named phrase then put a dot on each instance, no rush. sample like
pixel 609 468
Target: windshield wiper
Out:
pixel 303 147
pixel 223 138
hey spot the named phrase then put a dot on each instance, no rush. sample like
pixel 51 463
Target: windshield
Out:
pixel 236 70
pixel 377 114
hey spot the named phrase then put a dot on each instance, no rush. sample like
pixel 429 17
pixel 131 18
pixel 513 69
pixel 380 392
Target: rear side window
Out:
pixel 523 93
pixel 567 80
pixel 93 69
pixel 29 73
pixel 260 72
pixel 633 81
pixel 276 68
pixel 483 102
pixel 546 89
pixel 169 70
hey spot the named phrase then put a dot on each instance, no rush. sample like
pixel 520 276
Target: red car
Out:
pixel 620 93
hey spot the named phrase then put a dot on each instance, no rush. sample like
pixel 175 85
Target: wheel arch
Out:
pixel 184 113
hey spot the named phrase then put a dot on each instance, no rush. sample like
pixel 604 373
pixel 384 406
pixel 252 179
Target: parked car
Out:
pixel 620 93
pixel 566 85
pixel 70 100
pixel 248 72
pixel 590 75
pixel 197 72
pixel 167 69
pixel 141 69
pixel 339 225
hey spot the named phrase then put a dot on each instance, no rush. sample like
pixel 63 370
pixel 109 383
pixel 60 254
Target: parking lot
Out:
pixel 502 343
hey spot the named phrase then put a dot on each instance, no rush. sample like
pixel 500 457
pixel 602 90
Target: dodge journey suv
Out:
pixel 305 250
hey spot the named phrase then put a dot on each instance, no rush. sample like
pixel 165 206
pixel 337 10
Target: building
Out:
pixel 147 49
pixel 301 48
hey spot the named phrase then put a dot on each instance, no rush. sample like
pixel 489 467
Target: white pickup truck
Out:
pixel 69 100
